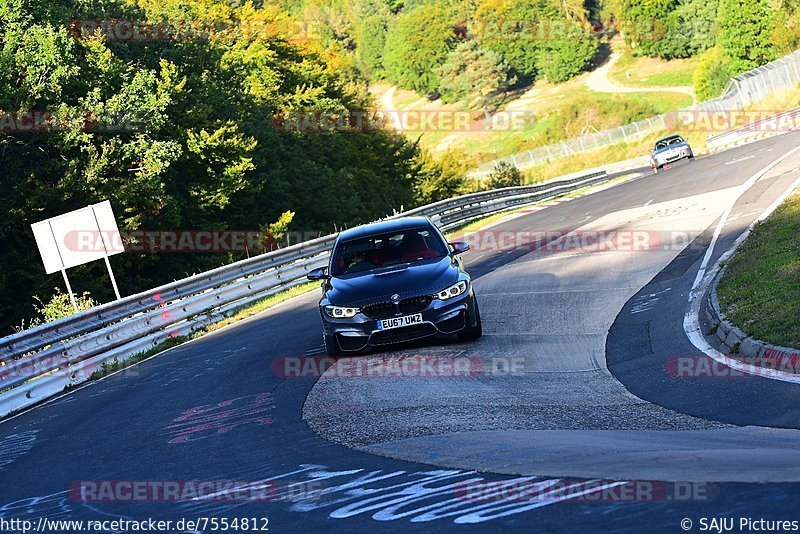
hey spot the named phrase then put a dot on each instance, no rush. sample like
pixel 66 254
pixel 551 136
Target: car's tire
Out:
pixel 471 333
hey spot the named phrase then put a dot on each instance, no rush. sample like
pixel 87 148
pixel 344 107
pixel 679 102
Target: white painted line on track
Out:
pixel 738 160
pixel 691 321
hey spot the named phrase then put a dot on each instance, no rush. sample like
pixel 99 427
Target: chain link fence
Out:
pixel 741 92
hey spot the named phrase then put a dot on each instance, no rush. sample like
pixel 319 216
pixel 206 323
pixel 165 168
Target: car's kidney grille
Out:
pixel 385 310
pixel 382 310
pixel 415 304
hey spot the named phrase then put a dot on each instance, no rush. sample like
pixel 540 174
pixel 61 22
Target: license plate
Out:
pixel 398 322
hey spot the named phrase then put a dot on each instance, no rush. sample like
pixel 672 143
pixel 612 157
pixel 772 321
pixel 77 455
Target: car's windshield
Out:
pixel 383 250
pixel 663 143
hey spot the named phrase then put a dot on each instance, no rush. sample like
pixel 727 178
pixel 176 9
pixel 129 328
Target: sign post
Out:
pixel 79 237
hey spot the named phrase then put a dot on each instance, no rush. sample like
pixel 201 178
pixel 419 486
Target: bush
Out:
pixel 57 307
pixel 505 175
pixel 442 179
pixel 712 74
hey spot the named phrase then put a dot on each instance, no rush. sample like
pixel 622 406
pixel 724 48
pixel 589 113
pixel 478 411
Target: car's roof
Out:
pixel 673 136
pixel 380 227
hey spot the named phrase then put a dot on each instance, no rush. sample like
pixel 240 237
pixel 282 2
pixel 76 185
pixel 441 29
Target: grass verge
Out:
pixel 760 290
pixel 643 71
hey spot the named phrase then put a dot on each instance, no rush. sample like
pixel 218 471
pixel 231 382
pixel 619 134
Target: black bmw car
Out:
pixel 394 281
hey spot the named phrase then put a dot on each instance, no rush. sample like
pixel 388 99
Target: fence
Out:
pixel 40 362
pixel 741 92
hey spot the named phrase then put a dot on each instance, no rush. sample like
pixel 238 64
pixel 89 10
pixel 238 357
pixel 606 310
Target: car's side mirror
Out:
pixel 320 273
pixel 459 247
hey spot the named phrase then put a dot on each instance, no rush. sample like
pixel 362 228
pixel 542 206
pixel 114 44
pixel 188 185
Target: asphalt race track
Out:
pixel 574 393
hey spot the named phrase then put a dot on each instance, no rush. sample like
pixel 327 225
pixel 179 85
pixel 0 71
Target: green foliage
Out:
pixel 745 33
pixel 57 307
pixel 179 136
pixel 511 30
pixel 786 32
pixel 442 178
pixel 669 28
pixel 535 36
pixel 712 74
pixel 477 77
pixel 505 175
pixel 648 25
pixel 277 230
pixel 562 59
pixel 416 45
pixel 695 28
pixel 371 41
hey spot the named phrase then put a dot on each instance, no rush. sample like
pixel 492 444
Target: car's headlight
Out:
pixel 453 291
pixel 340 312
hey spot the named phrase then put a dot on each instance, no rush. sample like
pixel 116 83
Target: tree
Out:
pixel 561 59
pixel 477 77
pixel 511 30
pixel 176 134
pixel 416 45
pixel 370 44
pixel 746 33
pixel 443 178
pixel 648 25
pixel 571 9
pixel 786 33
pixel 532 36
pixel 712 74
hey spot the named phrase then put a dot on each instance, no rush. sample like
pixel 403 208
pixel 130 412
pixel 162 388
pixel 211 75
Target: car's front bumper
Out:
pixel 440 317
pixel 663 159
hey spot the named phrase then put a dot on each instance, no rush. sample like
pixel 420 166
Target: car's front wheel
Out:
pixel 473 332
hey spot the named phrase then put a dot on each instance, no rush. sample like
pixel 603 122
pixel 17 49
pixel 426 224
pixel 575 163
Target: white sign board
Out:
pixel 78 237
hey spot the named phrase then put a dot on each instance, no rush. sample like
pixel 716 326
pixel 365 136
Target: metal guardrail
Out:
pixel 40 362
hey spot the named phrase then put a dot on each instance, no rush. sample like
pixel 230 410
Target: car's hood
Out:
pixel 426 277
pixel 670 147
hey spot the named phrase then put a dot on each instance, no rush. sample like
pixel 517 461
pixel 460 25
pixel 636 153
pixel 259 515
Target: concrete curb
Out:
pixel 738 343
